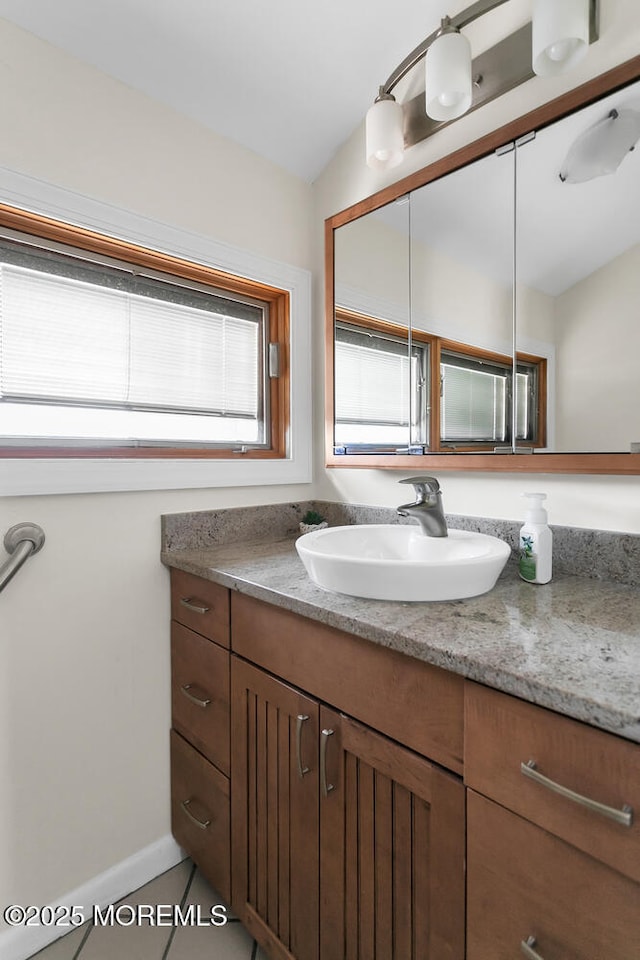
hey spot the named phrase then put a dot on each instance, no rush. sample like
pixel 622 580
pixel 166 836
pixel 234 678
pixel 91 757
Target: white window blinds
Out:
pixel 378 389
pixel 92 351
pixel 474 404
pixel 373 384
pixel 475 400
pixel 67 340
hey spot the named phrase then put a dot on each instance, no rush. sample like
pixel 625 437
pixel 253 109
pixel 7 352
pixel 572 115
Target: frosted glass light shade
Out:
pixel 601 149
pixel 448 87
pixel 560 35
pixel 384 134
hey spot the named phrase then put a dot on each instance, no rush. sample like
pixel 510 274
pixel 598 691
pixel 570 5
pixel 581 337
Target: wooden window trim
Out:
pixel 437 345
pixel 277 300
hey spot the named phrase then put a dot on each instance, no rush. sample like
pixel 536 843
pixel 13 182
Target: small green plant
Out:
pixel 312 518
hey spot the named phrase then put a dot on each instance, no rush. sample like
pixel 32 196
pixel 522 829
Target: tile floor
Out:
pixel 183 885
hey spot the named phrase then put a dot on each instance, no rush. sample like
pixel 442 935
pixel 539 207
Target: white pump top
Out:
pixel 535 512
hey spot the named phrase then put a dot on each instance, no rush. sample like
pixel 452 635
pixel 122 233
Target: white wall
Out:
pixel 598 411
pixel 606 503
pixel 84 627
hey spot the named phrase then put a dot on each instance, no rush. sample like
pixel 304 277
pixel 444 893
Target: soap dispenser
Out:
pixel 536 538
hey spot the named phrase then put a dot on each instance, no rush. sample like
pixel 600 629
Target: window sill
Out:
pixel 33 477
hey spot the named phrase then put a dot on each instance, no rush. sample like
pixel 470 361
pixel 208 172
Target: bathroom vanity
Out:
pixel 396 780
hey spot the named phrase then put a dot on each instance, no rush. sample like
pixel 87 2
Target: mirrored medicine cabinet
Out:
pixel 484 313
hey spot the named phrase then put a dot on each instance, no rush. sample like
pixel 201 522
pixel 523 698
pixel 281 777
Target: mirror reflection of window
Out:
pixel 470 410
pixel 372 383
pixel 475 401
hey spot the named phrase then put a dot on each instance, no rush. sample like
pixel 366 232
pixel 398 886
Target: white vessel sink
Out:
pixel 398 562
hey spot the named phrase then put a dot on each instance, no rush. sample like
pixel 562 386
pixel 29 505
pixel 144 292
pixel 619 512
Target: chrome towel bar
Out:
pixel 21 541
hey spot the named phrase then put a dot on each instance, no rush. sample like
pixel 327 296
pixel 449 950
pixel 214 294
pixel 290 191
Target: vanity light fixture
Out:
pixel 385 140
pixel 554 41
pixel 601 148
pixel 448 84
pixel 560 35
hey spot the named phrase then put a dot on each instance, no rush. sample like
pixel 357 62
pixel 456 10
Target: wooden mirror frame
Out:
pixel 586 463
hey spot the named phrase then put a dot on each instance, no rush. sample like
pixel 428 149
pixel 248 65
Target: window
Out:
pixel 137 355
pixel 378 389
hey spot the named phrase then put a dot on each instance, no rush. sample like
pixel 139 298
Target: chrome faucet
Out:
pixel 427 507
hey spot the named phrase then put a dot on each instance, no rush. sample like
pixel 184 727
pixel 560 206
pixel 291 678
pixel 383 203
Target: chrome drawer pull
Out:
pixel 624 817
pixel 196 606
pixel 527 946
pixel 202 824
pixel 204 702
pixel 301 719
pixel 326 787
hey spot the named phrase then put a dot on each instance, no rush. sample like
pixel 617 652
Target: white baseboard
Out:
pixel 18 943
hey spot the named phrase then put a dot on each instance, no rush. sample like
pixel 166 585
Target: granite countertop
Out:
pixel 572 645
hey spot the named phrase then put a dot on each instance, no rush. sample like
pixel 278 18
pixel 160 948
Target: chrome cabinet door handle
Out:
pixel 326 787
pixel 199 702
pixel 526 946
pixel 624 817
pixel 196 606
pixel 301 719
pixel 201 824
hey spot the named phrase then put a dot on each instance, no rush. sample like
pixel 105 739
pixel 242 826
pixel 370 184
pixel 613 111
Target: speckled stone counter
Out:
pixel 572 645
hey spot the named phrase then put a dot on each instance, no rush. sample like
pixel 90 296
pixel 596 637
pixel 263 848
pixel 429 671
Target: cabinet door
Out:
pixel 530 894
pixel 274 814
pixel 392 849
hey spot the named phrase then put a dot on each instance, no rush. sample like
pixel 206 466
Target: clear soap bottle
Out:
pixel 536 542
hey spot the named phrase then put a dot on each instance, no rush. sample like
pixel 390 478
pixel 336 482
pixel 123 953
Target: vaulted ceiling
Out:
pixel 290 79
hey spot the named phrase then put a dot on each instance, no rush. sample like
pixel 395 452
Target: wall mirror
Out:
pixel 482 313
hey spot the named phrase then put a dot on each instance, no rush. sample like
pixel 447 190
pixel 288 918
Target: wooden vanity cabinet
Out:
pixel 200 786
pixel 550 875
pixel 316 782
pixel 345 844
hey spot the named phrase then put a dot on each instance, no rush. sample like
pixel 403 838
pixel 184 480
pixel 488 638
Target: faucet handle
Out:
pixel 422 484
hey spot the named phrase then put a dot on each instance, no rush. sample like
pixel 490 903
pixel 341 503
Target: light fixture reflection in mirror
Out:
pixel 601 149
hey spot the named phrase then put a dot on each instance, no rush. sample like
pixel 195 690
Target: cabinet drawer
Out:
pixel 502 733
pixel 201 605
pixel 200 693
pixel 410 701
pixel 200 814
pixel 522 882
